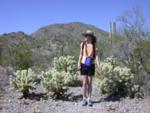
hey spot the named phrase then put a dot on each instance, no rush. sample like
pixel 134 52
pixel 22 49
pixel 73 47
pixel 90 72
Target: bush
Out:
pixel 54 82
pixel 68 65
pixel 65 63
pixel 146 88
pixel 113 79
pixel 23 81
pixel 21 56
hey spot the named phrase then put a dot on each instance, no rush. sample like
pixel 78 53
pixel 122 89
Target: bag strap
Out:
pixel 94 51
pixel 83 45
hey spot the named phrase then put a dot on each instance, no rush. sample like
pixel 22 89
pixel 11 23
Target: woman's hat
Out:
pixel 88 32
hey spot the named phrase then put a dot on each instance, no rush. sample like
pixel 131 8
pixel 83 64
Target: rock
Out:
pixel 10 70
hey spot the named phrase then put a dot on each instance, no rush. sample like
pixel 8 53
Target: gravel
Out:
pixel 9 103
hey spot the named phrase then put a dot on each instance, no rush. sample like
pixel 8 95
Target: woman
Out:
pixel 87 70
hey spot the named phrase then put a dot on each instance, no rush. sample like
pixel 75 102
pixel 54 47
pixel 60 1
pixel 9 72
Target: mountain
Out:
pixel 71 30
pixel 60 39
pixel 13 39
pixel 49 41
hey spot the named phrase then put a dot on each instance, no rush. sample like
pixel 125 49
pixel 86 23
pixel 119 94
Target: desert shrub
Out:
pixel 54 82
pixel 65 63
pixel 68 65
pixel 1 91
pixel 18 56
pixel 139 65
pixel 146 88
pixel 23 81
pixel 113 79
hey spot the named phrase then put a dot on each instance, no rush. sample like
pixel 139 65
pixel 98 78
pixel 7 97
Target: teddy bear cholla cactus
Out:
pixel 54 83
pixel 114 79
pixel 67 64
pixel 23 81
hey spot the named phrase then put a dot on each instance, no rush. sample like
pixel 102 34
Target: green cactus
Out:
pixel 68 65
pixel 23 81
pixel 53 81
pixel 114 79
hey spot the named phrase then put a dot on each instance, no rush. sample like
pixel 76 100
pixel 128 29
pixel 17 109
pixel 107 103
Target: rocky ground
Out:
pixel 9 102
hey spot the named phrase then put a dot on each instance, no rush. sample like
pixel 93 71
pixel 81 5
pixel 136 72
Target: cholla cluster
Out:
pixel 62 75
pixel 54 82
pixel 112 78
pixel 112 60
pixel 67 64
pixel 23 80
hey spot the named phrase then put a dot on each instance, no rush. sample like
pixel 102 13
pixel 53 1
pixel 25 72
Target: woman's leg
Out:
pixel 84 86
pixel 89 82
pixel 89 102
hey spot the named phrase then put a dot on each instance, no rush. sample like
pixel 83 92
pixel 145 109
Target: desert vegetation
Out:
pixel 46 60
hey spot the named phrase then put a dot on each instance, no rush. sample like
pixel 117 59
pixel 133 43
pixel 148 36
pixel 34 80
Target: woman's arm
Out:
pixel 97 58
pixel 80 56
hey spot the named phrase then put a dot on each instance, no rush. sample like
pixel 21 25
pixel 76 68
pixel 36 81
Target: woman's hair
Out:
pixel 94 47
pixel 93 40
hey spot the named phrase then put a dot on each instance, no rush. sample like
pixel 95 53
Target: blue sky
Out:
pixel 30 15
